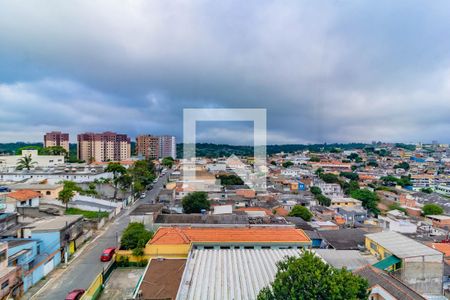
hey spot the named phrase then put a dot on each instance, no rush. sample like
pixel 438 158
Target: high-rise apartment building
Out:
pixel 101 147
pixel 56 138
pixel 167 146
pixel 151 146
pixel 147 146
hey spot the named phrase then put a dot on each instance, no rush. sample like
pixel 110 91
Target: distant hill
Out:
pixel 219 150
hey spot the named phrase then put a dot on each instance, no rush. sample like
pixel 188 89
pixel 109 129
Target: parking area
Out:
pixel 121 283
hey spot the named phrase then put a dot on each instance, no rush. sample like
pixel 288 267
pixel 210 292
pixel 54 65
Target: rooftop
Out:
pixel 400 245
pixel 439 217
pixel 350 259
pixel 389 283
pixel 344 239
pixel 162 278
pixel 171 235
pixel 55 223
pixel 23 195
pixel 230 273
pixel 146 208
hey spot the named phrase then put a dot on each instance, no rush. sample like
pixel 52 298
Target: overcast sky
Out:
pixel 326 71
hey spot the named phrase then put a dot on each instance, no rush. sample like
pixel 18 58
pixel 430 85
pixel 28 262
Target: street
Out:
pixel 82 271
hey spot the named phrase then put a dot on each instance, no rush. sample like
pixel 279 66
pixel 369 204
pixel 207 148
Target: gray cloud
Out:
pixel 325 70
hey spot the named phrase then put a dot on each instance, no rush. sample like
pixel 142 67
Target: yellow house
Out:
pixel 345 202
pixel 176 242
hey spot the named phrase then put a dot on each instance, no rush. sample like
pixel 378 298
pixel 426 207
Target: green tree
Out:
pixel 426 190
pixel 432 209
pixel 369 199
pixel 135 236
pixel 308 277
pixel 323 200
pixel 403 165
pixel 316 190
pixel 194 202
pixel 117 170
pixel 314 159
pixel 55 150
pixel 65 196
pixel 25 162
pixel 287 164
pixel 230 180
pixel 273 163
pixel 302 212
pixel 168 161
pixel 329 178
pixel 350 175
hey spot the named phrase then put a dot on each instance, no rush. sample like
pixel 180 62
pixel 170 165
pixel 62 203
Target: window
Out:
pixel 2 256
pixel 373 246
pixel 48 193
pixel 5 284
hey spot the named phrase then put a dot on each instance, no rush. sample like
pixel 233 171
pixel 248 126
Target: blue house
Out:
pixel 46 245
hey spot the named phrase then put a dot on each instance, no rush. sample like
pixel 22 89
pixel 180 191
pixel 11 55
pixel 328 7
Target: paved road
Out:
pixel 82 271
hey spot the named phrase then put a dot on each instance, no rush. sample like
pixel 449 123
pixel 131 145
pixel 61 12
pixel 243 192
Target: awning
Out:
pixel 387 262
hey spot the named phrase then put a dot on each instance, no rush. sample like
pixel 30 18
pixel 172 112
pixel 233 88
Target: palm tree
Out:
pixel 65 196
pixel 25 162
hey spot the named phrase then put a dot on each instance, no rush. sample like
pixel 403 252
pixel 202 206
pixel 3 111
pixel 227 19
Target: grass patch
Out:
pixel 86 213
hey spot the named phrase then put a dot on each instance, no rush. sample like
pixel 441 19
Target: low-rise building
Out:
pixel 345 202
pixel 9 162
pixel 418 266
pixel 22 199
pixel 441 221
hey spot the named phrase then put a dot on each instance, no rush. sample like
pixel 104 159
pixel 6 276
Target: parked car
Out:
pixel 143 195
pixel 107 254
pixel 75 294
pixel 4 189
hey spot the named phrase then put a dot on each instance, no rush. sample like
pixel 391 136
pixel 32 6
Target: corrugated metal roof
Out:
pixel 230 273
pixel 400 245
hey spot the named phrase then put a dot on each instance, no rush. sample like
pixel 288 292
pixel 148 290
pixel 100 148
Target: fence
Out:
pixel 96 287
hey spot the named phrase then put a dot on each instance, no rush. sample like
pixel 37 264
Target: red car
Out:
pixel 107 254
pixel 75 294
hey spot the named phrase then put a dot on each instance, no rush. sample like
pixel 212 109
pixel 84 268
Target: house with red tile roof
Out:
pixel 176 242
pixel 22 198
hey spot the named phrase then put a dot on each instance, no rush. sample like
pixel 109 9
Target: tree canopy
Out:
pixel 316 190
pixel 168 161
pixel 135 236
pixel 287 164
pixel 369 199
pixel 432 209
pixel 230 180
pixel 308 277
pixel 302 212
pixel 194 202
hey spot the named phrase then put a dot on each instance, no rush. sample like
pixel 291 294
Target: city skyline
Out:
pixel 325 71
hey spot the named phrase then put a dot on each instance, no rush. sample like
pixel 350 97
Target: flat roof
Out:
pixel 162 278
pixel 439 217
pixel 230 273
pixel 350 259
pixel 400 245
pixel 54 223
pixel 187 235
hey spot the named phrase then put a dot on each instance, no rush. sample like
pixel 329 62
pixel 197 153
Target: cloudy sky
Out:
pixel 326 71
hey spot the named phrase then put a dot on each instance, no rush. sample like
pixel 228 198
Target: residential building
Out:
pixel 103 147
pixel 441 221
pixel 383 286
pixel 8 163
pixel 167 146
pixel 147 146
pixel 418 266
pixel 9 283
pixel 345 202
pixel 151 146
pixel 172 242
pixel 57 138
pixel 22 199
